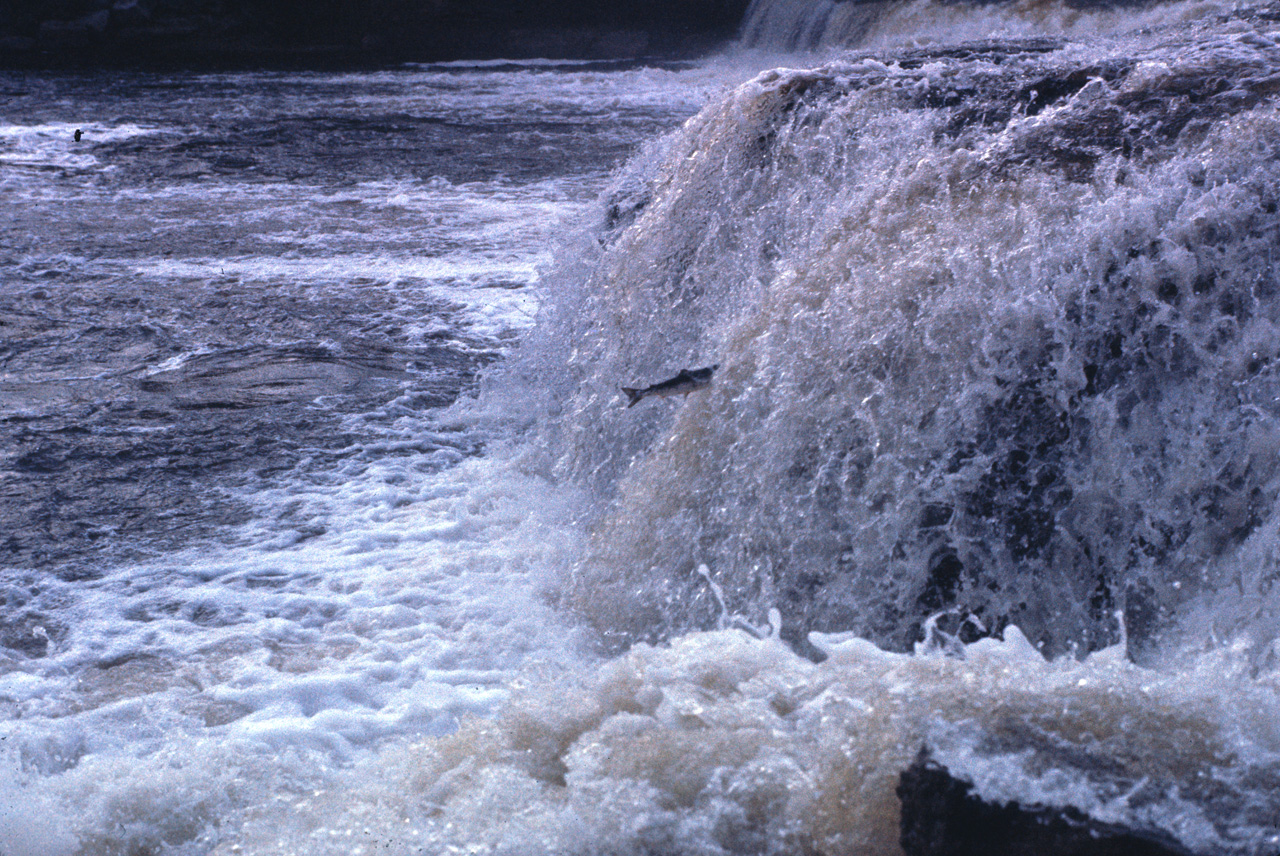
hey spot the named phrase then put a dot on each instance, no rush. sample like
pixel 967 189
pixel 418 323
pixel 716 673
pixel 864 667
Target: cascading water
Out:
pixel 996 329
pixel 988 466
pixel 995 326
pixel 805 25
pixel 828 25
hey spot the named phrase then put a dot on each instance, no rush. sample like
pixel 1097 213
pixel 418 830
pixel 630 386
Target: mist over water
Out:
pixel 331 532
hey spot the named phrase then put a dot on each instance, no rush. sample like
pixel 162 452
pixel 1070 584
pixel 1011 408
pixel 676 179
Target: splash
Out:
pixel 723 743
pixel 996 329
pixel 997 338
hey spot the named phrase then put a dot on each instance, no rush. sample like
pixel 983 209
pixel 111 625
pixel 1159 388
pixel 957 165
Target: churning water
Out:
pixel 327 529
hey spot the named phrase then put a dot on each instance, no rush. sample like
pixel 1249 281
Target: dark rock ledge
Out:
pixel 943 815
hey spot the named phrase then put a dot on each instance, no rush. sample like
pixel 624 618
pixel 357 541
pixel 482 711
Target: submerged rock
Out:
pixel 943 815
pixel 1015 786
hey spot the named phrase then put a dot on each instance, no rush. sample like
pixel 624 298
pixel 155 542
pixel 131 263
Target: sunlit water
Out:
pixel 326 529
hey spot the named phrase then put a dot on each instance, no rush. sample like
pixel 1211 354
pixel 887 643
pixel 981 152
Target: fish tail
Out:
pixel 633 395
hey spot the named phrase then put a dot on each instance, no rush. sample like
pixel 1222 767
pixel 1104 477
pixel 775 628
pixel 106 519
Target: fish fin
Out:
pixel 633 395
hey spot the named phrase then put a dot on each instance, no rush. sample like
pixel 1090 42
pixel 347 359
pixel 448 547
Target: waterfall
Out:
pixel 798 25
pixel 997 336
pixel 826 25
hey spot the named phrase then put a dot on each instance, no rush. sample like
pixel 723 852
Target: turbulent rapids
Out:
pixel 997 333
pixel 989 470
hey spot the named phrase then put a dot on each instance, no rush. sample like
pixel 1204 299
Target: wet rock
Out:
pixel 944 815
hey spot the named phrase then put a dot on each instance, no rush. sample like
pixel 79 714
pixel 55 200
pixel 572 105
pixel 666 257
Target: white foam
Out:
pixel 872 291
pixel 416 612
pixel 721 742
pixel 54 145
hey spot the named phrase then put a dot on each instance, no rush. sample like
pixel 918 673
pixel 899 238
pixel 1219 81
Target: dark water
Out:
pixel 211 288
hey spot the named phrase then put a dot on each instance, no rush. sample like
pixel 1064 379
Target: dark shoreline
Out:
pixel 235 34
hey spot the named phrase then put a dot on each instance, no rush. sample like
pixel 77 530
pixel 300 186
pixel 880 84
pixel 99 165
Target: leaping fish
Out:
pixel 682 384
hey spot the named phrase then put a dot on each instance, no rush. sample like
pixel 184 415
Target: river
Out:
pixel 326 528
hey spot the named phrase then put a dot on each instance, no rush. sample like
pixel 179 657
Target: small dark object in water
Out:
pixel 684 383
pixel 78 134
